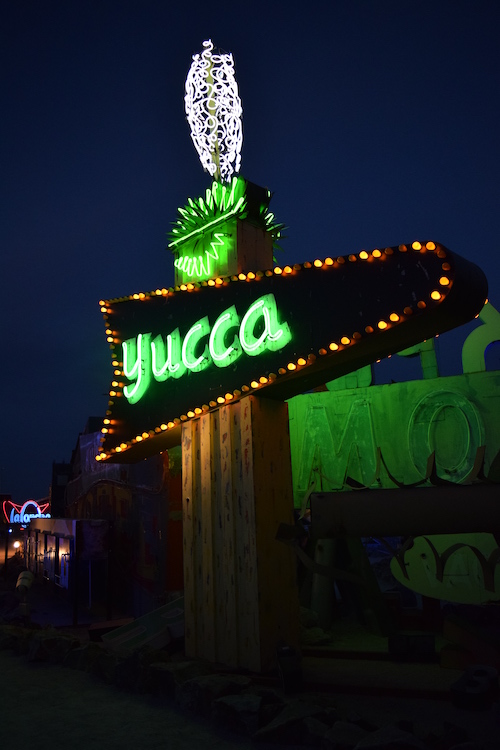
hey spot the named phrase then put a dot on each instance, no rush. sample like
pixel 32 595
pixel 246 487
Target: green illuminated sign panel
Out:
pixel 181 352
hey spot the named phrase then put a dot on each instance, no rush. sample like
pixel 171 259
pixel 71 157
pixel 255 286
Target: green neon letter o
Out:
pixel 448 424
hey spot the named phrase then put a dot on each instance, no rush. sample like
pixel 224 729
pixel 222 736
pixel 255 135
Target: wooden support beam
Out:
pixel 431 510
pixel 241 599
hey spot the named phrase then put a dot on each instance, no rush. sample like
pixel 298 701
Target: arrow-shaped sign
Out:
pixel 178 353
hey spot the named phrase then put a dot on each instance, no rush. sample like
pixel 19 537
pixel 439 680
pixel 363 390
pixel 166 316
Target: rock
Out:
pixel 9 635
pixel 390 738
pixel 48 645
pixel 290 670
pixel 199 693
pixel 354 718
pixel 314 636
pixel 106 665
pixel 313 731
pixel 406 725
pixel 442 736
pixel 411 646
pixel 127 670
pixel 272 704
pixel 22 642
pixel 83 657
pixel 343 736
pixel 476 688
pixel 238 713
pixel 308 618
pixel 8 603
pixel 15 637
pixel 454 735
pixel 328 716
pixel 166 676
pixel 145 674
pixel 287 726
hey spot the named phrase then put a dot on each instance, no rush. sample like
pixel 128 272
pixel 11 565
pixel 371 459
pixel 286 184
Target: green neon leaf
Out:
pixel 221 202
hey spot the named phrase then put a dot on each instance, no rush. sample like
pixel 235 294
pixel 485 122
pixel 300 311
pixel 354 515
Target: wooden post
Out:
pixel 240 587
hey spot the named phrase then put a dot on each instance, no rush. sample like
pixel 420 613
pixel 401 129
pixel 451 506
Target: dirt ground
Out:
pixel 44 705
pixel 47 706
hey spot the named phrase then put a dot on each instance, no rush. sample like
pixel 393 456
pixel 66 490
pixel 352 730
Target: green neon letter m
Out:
pixel 329 443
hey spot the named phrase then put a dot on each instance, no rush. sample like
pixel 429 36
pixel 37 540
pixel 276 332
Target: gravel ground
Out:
pixel 47 706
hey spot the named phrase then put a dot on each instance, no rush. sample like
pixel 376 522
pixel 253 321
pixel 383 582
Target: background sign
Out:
pixel 23 514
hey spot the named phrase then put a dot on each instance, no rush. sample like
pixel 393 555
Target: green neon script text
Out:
pixel 146 358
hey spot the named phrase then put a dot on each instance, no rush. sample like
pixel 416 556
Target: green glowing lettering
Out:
pixel 193 336
pixel 274 335
pixel 161 358
pixel 138 352
pixel 221 354
pixel 165 364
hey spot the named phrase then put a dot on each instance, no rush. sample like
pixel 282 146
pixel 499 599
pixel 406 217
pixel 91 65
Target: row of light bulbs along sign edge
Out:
pixel 120 389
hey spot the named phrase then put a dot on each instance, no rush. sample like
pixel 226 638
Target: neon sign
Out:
pixel 178 353
pixel 221 203
pixel 25 513
pixel 199 266
pixel 144 357
pixel 205 233
pixel 213 111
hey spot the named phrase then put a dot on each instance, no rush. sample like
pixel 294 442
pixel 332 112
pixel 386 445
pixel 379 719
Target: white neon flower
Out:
pixel 213 111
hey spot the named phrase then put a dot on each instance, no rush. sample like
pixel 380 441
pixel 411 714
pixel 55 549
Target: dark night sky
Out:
pixel 374 123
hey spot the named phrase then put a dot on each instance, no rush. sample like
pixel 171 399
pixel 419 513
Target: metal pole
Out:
pixel 6 563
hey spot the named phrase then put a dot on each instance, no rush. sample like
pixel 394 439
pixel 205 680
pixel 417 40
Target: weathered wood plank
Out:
pixel 227 637
pixel 188 532
pixel 246 550
pixel 276 566
pixel 205 496
pixel 241 588
pixel 197 538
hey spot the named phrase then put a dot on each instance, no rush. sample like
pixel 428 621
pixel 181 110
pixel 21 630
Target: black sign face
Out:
pixel 179 353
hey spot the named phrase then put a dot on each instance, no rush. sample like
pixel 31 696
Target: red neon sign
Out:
pixel 24 513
